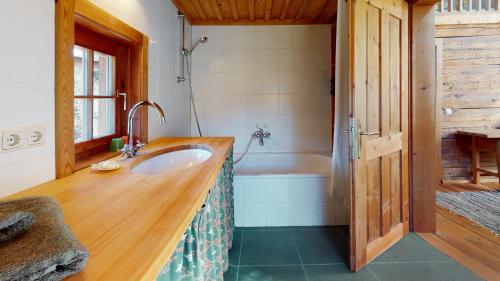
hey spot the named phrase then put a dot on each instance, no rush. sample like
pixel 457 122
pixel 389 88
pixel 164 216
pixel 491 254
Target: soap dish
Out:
pixel 105 166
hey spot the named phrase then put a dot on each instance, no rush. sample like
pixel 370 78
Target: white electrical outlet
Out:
pixel 35 135
pixel 12 138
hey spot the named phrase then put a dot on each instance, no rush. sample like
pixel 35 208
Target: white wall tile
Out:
pixel 278 190
pixel 272 66
pixel 262 37
pixel 286 83
pixel 323 214
pixel 239 201
pixel 27 78
pixel 255 215
pixel 270 83
pixel 321 190
pixel 301 190
pixel 286 104
pixel 288 200
pixel 278 214
pixel 301 214
pixel 270 104
pixel 255 190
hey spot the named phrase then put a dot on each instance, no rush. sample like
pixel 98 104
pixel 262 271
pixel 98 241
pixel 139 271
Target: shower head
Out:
pixel 201 40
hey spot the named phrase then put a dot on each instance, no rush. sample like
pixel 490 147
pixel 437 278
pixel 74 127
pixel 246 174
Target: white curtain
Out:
pixel 340 158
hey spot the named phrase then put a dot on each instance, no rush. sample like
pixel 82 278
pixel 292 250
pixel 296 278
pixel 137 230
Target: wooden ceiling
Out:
pixel 250 12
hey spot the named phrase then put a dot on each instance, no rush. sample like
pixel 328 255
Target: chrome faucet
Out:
pixel 130 150
pixel 260 134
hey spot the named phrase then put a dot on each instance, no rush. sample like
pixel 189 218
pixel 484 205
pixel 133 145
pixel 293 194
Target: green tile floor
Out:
pixel 320 254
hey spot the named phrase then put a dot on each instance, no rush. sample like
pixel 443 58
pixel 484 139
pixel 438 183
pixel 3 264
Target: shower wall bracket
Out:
pixel 181 17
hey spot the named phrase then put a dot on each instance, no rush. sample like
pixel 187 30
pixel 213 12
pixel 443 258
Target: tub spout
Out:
pixel 261 134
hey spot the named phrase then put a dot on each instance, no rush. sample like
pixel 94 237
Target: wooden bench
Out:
pixel 483 141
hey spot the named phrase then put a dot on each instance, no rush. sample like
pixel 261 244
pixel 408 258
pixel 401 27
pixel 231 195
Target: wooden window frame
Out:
pixel 71 14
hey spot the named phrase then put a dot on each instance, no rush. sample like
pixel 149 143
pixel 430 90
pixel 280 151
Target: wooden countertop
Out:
pixel 130 223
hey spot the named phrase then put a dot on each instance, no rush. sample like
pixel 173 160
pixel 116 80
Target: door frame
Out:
pixel 425 135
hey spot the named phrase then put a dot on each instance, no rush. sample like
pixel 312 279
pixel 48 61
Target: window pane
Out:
pixel 82 120
pixel 104 117
pixel 81 57
pixel 103 75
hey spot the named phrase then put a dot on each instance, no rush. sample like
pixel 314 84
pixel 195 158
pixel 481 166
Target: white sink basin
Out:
pixel 172 162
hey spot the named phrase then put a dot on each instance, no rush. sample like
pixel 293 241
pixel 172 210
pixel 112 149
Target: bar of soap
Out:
pixel 109 164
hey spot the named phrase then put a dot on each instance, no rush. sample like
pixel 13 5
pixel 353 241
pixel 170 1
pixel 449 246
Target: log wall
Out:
pixel 470 75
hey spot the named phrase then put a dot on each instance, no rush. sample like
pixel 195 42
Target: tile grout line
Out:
pixel 373 272
pixel 239 256
pixel 300 258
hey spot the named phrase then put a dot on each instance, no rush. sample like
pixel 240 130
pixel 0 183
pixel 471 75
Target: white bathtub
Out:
pixel 283 189
pixel 284 163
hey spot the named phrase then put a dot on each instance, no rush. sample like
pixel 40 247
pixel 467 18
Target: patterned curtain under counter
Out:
pixel 203 252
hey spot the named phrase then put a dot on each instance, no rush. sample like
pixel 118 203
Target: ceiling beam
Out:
pixel 321 5
pixel 215 6
pixel 234 9
pixel 199 9
pixel 269 6
pixel 251 9
pixel 284 10
pixel 302 9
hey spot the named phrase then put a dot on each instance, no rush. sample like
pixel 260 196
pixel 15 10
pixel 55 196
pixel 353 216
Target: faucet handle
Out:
pixel 140 144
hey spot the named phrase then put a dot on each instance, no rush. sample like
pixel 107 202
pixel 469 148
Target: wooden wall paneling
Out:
pixel 242 9
pixel 302 10
pixel 284 10
pixel 215 8
pixel 328 12
pixel 315 9
pixel 269 6
pixel 251 10
pixel 487 29
pixel 259 12
pixel 426 140
pixel 64 79
pixel 234 9
pixel 469 68
pixel 260 9
pixel 200 10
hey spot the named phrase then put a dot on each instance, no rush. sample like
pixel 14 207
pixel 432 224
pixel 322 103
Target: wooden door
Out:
pixel 379 75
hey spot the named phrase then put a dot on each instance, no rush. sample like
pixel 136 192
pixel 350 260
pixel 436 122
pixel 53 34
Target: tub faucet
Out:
pixel 130 150
pixel 260 134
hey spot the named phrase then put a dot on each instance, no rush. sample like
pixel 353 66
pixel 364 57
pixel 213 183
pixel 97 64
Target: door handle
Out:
pixel 369 134
pixel 124 95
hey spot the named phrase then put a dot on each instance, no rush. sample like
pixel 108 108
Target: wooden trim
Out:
pixel 379 245
pixel 144 134
pixel 455 18
pixel 93 13
pixel 469 225
pixel 382 146
pixel 252 21
pixel 64 80
pixel 471 263
pixel 426 141
pixel 68 13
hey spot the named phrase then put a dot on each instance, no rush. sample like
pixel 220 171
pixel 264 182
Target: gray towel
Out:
pixel 14 223
pixel 47 251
